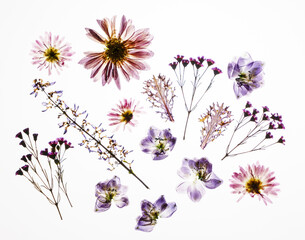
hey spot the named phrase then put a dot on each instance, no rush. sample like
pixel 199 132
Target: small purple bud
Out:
pixel 210 62
pixel 276 117
pixel 19 172
pixel 173 65
pixel 216 70
pixel 246 113
pixel 201 59
pixel 23 158
pixel 271 126
pixel 248 104
pixel 280 126
pixel 68 145
pixel 19 135
pixel 44 152
pixel 265 117
pixel 255 111
pixel 268 135
pixel 22 143
pixel 35 136
pixel 25 168
pixel 60 140
pixel 281 140
pixel 265 109
pixel 53 143
pixel 198 65
pixel 179 58
pixel 253 118
pixel 52 155
pixel 185 62
pixel 26 131
pixel 193 61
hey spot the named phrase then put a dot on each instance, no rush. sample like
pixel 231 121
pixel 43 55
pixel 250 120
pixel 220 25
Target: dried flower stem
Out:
pixel 93 138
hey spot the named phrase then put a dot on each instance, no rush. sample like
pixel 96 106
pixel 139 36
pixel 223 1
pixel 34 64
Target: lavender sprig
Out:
pixel 198 74
pixel 263 126
pixel 41 177
pixel 161 95
pixel 214 122
pixel 108 150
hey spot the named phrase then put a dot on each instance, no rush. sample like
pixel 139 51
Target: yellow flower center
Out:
pixel 254 185
pixel 127 116
pixel 116 50
pixel 52 54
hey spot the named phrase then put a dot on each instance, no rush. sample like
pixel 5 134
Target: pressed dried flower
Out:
pixel 214 122
pixel 153 211
pixel 124 114
pixel 108 191
pixel 51 53
pixel 124 49
pixel 248 75
pixel 256 180
pixel 161 95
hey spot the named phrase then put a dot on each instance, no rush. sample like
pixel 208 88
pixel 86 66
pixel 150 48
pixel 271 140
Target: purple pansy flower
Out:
pixel 108 191
pixel 248 75
pixel 152 211
pixel 198 174
pixel 158 143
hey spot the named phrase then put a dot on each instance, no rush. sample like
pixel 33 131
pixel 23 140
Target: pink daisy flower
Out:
pixel 124 49
pixel 124 114
pixel 51 53
pixel 256 180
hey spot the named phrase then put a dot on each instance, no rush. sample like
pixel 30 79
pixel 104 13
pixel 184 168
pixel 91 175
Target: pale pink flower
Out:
pixel 124 114
pixel 256 180
pixel 50 52
pixel 124 49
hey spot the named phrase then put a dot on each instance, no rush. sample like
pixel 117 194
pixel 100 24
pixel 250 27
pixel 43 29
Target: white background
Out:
pixel 271 31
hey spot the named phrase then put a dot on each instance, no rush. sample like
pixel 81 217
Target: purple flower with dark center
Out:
pixel 265 109
pixel 185 62
pixel 53 144
pixel 108 191
pixel 19 135
pixel 25 168
pixel 280 126
pixel 193 61
pixel 153 211
pixel 68 145
pixel 44 152
pixel 19 172
pixel 248 104
pixel 198 174
pixel 210 62
pixel 60 140
pixel 248 75
pixel 276 117
pixel 271 126
pixel 179 58
pixel 201 59
pixel 253 118
pixel 268 135
pixel 265 117
pixel 198 65
pixel 52 155
pixel 281 140
pixel 246 113
pixel 255 111
pixel 173 65
pixel 158 143
pixel 216 70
